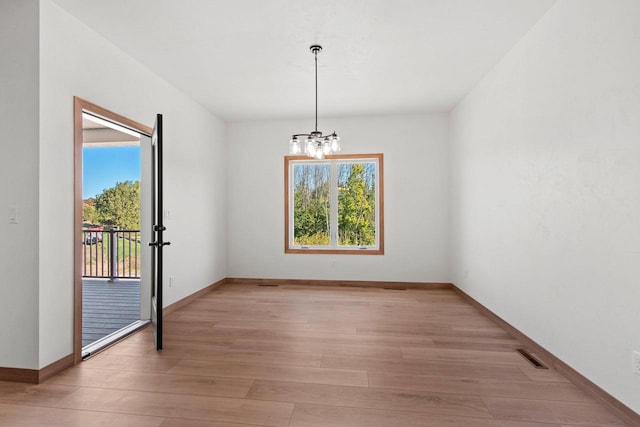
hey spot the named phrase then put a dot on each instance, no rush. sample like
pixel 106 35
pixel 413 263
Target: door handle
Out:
pixel 158 244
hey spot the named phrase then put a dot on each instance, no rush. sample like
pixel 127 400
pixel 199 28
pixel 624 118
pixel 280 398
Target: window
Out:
pixel 334 205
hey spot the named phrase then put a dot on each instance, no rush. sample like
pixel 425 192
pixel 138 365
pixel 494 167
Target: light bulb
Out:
pixel 311 149
pixel 294 146
pixel 326 147
pixel 335 144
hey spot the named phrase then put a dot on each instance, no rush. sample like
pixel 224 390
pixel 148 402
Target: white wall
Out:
pixel 546 189
pixel 75 61
pixel 19 183
pixel 416 173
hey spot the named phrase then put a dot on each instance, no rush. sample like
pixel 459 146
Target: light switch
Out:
pixel 13 214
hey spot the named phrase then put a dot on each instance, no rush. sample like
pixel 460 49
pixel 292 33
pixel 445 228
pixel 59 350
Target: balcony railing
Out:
pixel 112 254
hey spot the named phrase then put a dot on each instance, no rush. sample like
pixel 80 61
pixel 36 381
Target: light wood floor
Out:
pixel 246 355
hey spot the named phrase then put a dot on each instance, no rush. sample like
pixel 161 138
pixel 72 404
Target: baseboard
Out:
pixel 18 375
pixel 583 383
pixel 191 298
pixel 36 376
pixel 353 283
pixel 55 368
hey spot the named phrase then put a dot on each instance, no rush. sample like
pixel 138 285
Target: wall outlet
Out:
pixel 171 281
pixel 636 362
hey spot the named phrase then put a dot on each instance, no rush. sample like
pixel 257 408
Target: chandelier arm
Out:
pixel 319 134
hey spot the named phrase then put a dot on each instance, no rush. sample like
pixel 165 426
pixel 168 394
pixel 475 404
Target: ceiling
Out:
pixel 250 59
pixel 97 132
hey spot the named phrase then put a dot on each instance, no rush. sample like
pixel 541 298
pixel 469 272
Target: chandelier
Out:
pixel 314 144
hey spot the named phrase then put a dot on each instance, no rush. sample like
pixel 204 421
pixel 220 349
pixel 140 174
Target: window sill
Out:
pixel 316 251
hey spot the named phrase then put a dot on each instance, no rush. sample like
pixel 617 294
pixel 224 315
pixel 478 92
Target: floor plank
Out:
pixel 312 375
pixel 331 327
pixel 129 363
pixel 374 398
pixel 318 346
pixel 463 355
pixel 180 406
pixel 338 416
pixel 239 355
pixel 426 367
pixel 566 413
pixel 553 391
pixel 29 416
pixel 145 381
pixel 33 394
pixel 181 422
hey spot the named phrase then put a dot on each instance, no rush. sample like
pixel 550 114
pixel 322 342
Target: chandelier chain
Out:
pixel 315 54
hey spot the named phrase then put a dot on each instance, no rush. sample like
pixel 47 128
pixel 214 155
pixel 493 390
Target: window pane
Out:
pixel 311 210
pixel 356 204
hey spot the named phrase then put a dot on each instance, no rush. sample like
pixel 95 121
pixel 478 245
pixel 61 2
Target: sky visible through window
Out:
pixel 103 167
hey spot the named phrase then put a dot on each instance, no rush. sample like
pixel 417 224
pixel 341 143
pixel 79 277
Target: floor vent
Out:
pixel 535 362
pixel 271 286
pixel 396 289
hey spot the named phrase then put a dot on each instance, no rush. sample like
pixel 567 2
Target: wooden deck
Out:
pixel 108 307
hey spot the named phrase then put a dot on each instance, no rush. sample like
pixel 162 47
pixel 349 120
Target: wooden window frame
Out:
pixel 288 249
